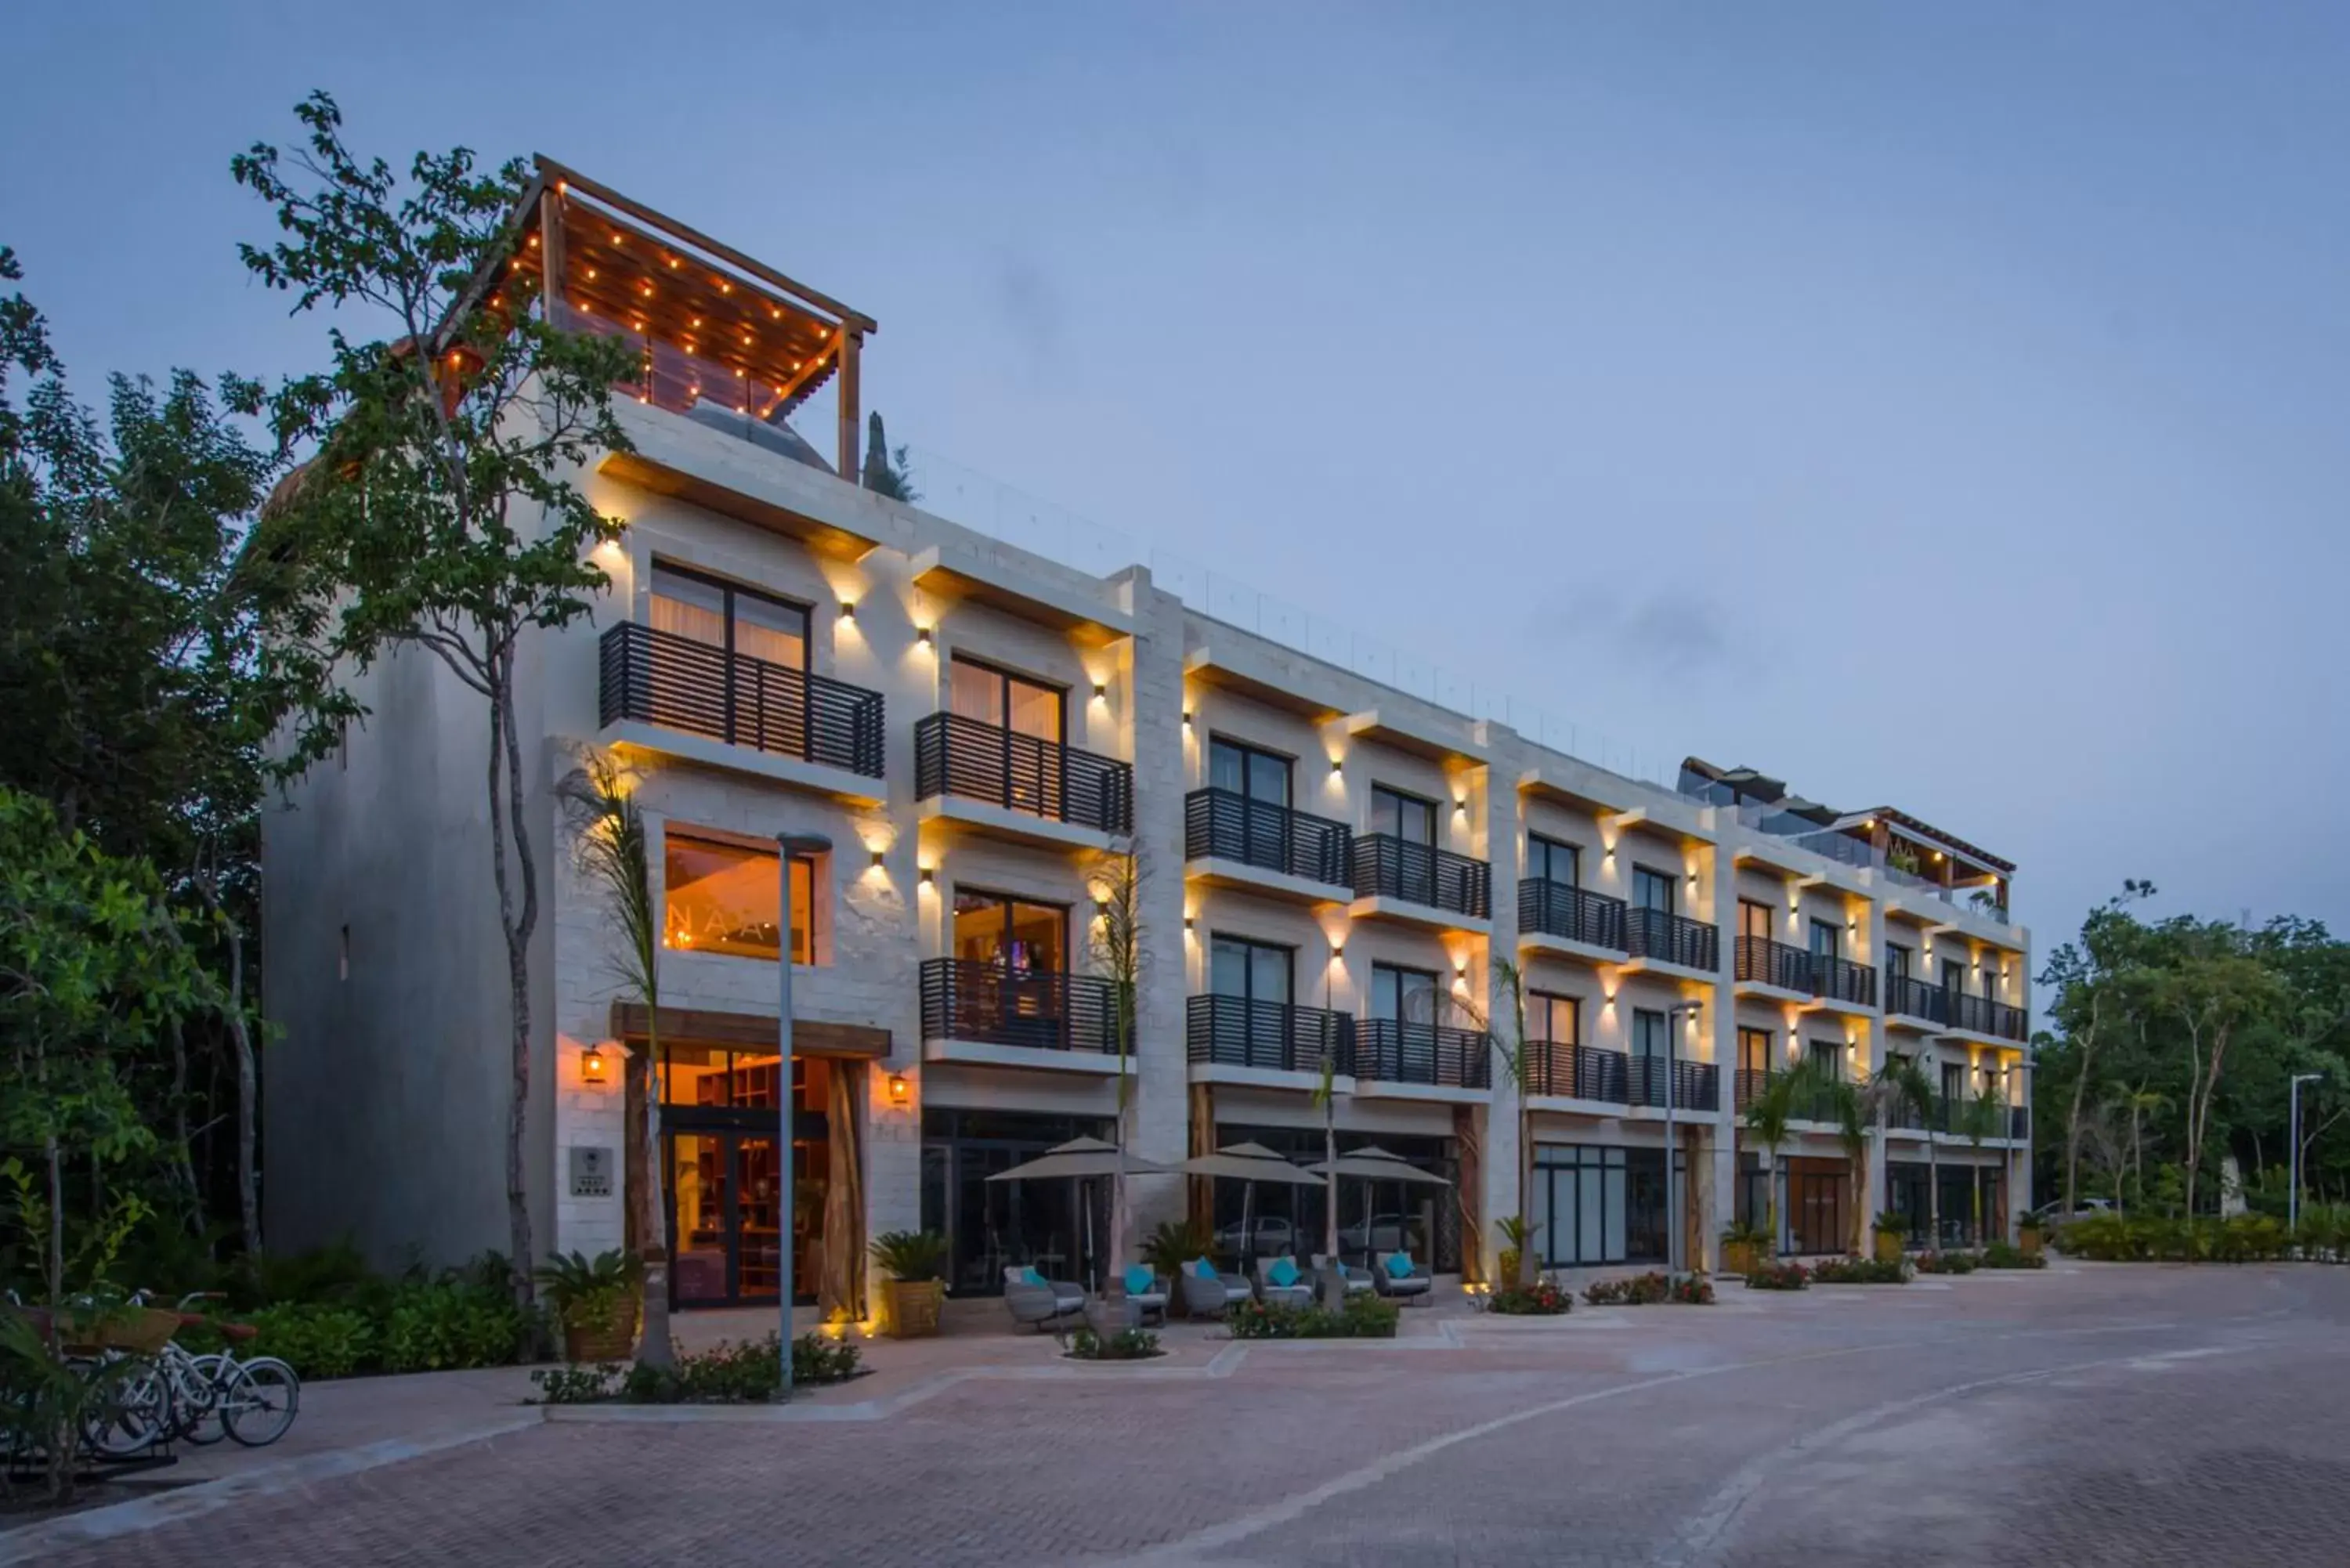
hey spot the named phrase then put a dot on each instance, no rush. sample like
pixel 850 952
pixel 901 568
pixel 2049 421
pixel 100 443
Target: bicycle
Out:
pixel 199 1398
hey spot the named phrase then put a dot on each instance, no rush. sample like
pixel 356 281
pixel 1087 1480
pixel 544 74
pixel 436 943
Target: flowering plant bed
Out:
pixel 1540 1300
pixel 1861 1272
pixel 1363 1317
pixel 1691 1290
pixel 1947 1262
pixel 1126 1344
pixel 1779 1277
pixel 744 1373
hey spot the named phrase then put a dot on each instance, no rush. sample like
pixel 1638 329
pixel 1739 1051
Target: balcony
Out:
pixel 1390 1051
pixel 1906 996
pixel 1695 1085
pixel 1265 847
pixel 693 687
pixel 979 1012
pixel 1840 982
pixel 1981 1015
pixel 1774 965
pixel 1655 937
pixel 1022 778
pixel 1268 1036
pixel 1751 1084
pixel 1388 868
pixel 1577 1073
pixel 1575 919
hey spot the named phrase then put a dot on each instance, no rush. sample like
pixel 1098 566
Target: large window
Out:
pixel 1652 888
pixel 1549 860
pixel 1829 1055
pixel 1408 995
pixel 1253 970
pixel 1598 1205
pixel 1405 816
pixel 1753 920
pixel 1011 933
pixel 1827 938
pixel 1248 770
pixel 1754 1050
pixel 1553 1019
pixel 724 615
pixel 1896 960
pixel 722 898
pixel 1008 701
pixel 991 1226
pixel 1651 1033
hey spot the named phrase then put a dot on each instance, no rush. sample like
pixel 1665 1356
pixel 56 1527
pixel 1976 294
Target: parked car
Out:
pixel 1380 1233
pixel 2054 1214
pixel 1271 1235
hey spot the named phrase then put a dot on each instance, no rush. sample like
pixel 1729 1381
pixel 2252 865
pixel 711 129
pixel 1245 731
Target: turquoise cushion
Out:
pixel 1139 1279
pixel 1398 1266
pixel 1031 1277
pixel 1283 1273
pixel 1204 1270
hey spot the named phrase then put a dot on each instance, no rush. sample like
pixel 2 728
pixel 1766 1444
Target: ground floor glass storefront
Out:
pixel 1593 1204
pixel 1061 1228
pixel 1374 1218
pixel 1909 1182
pixel 722 1178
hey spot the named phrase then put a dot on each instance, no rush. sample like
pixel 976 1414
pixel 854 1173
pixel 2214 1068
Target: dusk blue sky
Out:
pixel 1940 407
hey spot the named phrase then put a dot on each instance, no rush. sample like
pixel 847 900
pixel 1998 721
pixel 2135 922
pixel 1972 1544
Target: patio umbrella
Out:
pixel 1250 1163
pixel 1072 1162
pixel 1373 1163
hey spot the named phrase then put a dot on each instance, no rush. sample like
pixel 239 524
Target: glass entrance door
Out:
pixel 725 1217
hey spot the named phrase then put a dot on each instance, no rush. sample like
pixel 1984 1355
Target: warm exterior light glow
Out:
pixel 926 636
pixel 1336 766
pixel 848 610
pixel 1100 691
pixel 1187 718
pixel 897 1088
pixel 876 859
pixel 592 1066
pixel 930 876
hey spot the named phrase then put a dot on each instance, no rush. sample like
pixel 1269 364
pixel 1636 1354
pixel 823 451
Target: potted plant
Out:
pixel 1741 1249
pixel 916 1263
pixel 1517 1233
pixel 595 1299
pixel 1891 1231
pixel 2027 1235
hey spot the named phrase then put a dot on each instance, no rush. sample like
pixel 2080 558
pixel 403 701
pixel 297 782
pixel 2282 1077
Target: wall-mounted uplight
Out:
pixel 1337 952
pixel 930 876
pixel 1461 803
pixel 1101 691
pixel 1336 767
pixel 848 610
pixel 1187 718
pixel 926 636
pixel 879 857
pixel 1189 923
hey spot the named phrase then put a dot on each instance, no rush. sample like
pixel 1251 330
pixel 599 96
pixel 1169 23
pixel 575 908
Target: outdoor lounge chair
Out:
pixel 1149 1301
pixel 1414 1284
pixel 1045 1304
pixel 1299 1293
pixel 1210 1294
pixel 1358 1281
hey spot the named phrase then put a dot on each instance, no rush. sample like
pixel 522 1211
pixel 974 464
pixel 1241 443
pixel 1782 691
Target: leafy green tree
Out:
pixel 613 848
pixel 1770 1110
pixel 440 511
pixel 1981 1116
pixel 1117 938
pixel 1912 1087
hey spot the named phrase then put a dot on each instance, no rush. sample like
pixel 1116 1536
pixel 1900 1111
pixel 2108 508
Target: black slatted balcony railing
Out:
pixel 1763 962
pixel 1841 980
pixel 1696 1086
pixel 964 999
pixel 1981 1015
pixel 1751 1084
pixel 681 683
pixel 1396 1052
pixel 1577 1071
pixel 1386 867
pixel 1235 1031
pixel 1671 938
pixel 959 757
pixel 1913 998
pixel 1574 914
pixel 1225 824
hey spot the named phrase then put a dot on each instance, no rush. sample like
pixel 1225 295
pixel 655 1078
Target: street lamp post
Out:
pixel 2292 1199
pixel 786 846
pixel 1673 1016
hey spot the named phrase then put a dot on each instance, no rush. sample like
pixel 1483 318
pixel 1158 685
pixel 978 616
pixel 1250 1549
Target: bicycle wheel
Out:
pixel 259 1401
pixel 201 1421
pixel 127 1410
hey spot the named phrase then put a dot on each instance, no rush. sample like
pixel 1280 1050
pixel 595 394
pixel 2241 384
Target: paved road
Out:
pixel 2085 1416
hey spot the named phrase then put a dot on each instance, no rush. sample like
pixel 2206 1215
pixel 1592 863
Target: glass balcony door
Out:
pixel 1029 774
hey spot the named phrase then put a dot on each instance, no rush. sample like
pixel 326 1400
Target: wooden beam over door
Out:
pixel 750 1031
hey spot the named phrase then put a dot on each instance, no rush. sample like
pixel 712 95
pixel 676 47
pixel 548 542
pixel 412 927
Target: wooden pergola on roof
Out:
pixel 616 262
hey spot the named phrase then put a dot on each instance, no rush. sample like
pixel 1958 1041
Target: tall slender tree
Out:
pixel 440 511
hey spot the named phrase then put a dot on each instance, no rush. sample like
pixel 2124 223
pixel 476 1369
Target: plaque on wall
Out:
pixel 591 1171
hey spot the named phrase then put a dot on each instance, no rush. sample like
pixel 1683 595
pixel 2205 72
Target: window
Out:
pixel 1828 1053
pixel 1554 1020
pixel 1003 701
pixel 1549 860
pixel 722 898
pixel 1954 976
pixel 1253 970
pixel 1753 919
pixel 1408 995
pixel 1248 770
pixel 1954 1082
pixel 1896 960
pixel 1011 933
pixel 1826 939
pixel 736 619
pixel 1652 889
pixel 1754 1050
pixel 1650 1032
pixel 1406 817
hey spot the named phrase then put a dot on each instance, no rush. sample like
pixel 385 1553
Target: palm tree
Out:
pixel 1861 1109
pixel 1916 1092
pixel 1510 989
pixel 1783 1096
pixel 1983 1115
pixel 613 850
pixel 1117 939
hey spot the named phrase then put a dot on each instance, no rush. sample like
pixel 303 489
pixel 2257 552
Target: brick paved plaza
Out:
pixel 2088 1415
